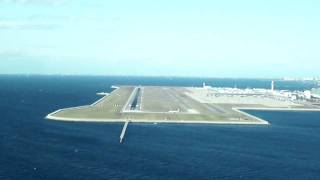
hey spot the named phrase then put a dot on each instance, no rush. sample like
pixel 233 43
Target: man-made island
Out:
pixel 156 104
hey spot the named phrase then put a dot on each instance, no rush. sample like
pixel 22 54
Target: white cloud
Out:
pixel 25 25
pixel 39 2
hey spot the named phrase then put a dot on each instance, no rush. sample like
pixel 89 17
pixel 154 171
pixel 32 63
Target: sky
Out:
pixel 203 38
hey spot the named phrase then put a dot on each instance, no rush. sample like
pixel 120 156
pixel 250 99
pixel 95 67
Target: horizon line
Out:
pixel 163 76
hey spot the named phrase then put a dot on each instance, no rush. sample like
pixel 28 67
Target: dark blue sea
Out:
pixel 34 148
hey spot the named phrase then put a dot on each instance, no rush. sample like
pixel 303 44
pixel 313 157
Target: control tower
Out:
pixel 272 85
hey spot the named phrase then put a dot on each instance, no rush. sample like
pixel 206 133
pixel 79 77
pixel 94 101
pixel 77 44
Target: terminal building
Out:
pixel 315 92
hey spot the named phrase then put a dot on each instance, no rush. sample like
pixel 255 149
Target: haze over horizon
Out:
pixel 263 39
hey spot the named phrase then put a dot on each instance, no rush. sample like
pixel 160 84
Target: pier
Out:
pixel 123 132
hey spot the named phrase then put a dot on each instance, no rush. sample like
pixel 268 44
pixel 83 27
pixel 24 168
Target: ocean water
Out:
pixel 34 148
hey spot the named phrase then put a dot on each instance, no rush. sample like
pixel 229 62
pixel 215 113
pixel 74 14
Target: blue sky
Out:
pixel 247 38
